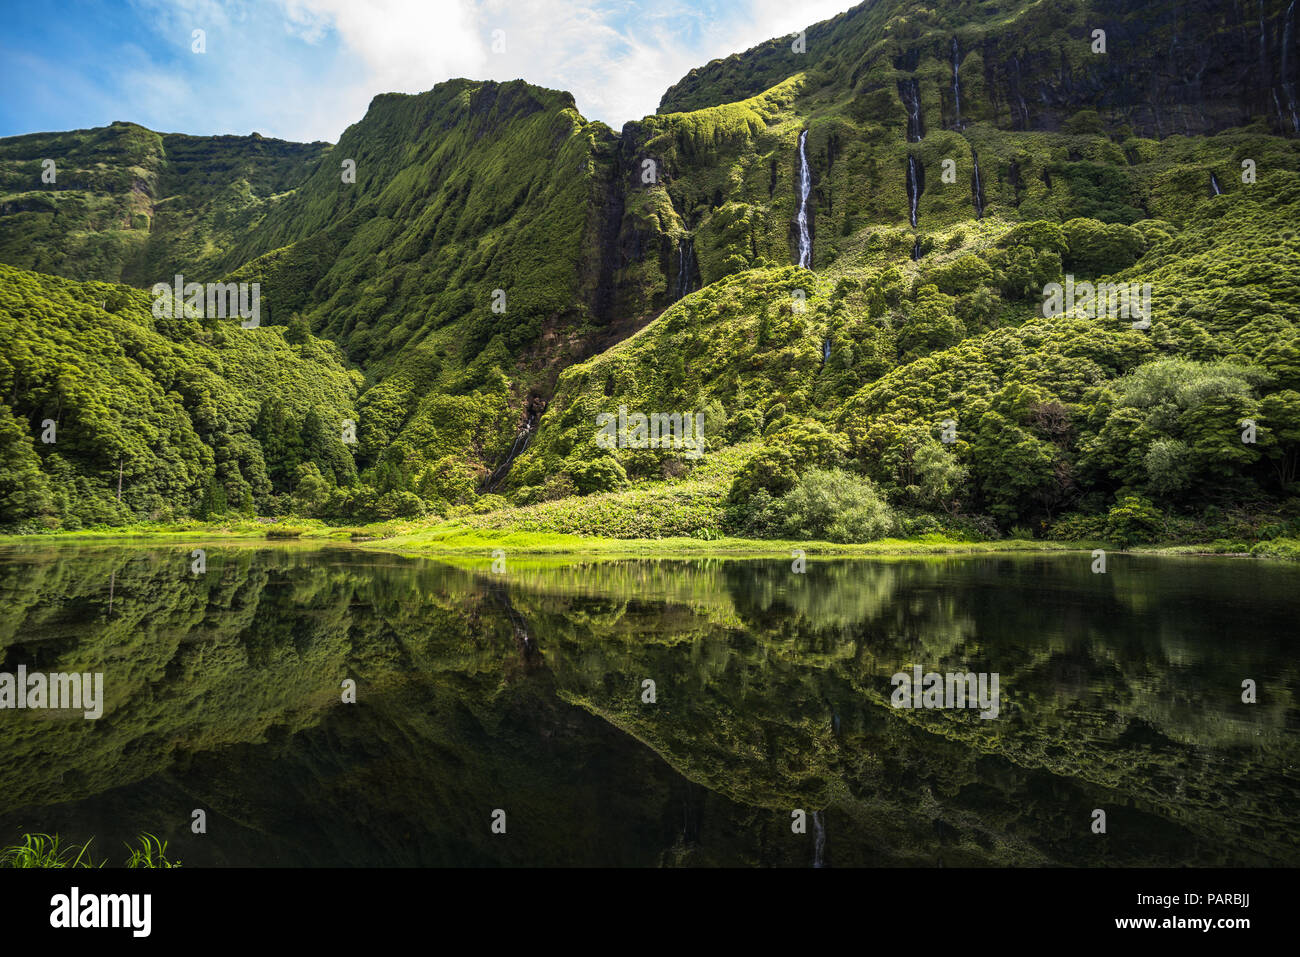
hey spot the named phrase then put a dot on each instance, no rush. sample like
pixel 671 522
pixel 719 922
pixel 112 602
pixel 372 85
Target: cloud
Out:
pixel 307 69
pixel 616 57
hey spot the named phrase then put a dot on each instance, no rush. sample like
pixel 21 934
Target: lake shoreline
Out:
pixel 463 541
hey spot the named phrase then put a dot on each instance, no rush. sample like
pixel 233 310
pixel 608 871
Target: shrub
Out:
pixel 837 506
pixel 399 505
pixel 1133 520
pixel 602 474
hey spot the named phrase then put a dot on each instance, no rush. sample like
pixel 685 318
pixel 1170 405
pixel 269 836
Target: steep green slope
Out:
pixel 131 205
pixel 1048 414
pixel 494 264
pixel 1192 67
pixel 183 415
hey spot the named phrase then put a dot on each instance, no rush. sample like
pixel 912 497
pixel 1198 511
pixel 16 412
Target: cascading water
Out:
pixel 913 188
pixel 819 840
pixel 685 264
pixel 805 187
pixel 522 438
pixel 826 352
pixel 1288 87
pixel 956 83
pixel 916 249
pixel 977 187
pixel 1214 185
pixel 910 93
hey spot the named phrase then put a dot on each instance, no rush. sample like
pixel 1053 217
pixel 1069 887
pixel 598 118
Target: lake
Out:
pixel 523 700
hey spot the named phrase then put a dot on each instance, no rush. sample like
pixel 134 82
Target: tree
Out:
pixel 941 476
pixel 24 488
pixel 310 491
pixel 212 503
pixel 298 331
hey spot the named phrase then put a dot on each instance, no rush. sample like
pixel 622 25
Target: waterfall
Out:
pixel 805 187
pixel 913 187
pixel 522 438
pixel 1214 185
pixel 977 187
pixel 956 82
pixel 1288 41
pixel 916 249
pixel 910 93
pixel 826 352
pixel 685 264
pixel 819 840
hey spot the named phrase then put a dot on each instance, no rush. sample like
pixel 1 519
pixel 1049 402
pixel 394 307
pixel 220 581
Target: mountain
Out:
pixel 497 272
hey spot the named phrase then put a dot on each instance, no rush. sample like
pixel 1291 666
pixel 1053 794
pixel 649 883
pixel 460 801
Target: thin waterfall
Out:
pixel 805 187
pixel 913 187
pixel 910 93
pixel 819 840
pixel 1214 185
pixel 1288 87
pixel 685 265
pixel 522 438
pixel 956 83
pixel 977 187
pixel 826 352
pixel 916 249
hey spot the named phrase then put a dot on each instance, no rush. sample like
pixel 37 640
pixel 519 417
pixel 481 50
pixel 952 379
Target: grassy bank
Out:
pixel 471 538
pixel 455 539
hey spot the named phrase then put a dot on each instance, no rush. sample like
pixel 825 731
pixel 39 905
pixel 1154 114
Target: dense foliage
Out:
pixel 500 274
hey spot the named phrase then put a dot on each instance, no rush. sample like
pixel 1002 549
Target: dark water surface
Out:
pixel 523 692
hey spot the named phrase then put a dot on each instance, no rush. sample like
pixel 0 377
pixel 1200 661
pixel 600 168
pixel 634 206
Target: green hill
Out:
pixel 500 272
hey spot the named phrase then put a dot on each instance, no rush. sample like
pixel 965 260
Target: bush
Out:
pixel 1133 520
pixel 837 506
pixel 399 505
pixel 602 474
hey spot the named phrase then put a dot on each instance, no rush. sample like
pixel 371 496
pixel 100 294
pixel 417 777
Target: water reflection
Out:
pixel 526 692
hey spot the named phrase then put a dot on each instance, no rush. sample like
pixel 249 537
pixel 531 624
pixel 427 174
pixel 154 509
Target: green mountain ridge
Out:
pixel 646 269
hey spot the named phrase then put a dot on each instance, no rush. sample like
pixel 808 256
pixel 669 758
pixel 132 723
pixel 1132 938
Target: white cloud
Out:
pixel 616 58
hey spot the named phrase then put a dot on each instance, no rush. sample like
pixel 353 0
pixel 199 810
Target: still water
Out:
pixel 526 692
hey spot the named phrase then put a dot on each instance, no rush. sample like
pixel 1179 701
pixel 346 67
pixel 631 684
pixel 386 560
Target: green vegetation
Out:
pixel 45 850
pixel 502 272
pixel 1105 699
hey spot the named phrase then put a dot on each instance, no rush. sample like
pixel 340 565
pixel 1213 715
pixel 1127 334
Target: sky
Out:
pixel 306 69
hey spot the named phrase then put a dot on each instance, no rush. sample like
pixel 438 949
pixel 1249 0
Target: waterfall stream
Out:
pixel 913 188
pixel 805 187
pixel 1214 185
pixel 1288 87
pixel 977 187
pixel 910 93
pixel 685 264
pixel 956 83
pixel 522 438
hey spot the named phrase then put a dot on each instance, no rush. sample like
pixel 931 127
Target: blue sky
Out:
pixel 306 69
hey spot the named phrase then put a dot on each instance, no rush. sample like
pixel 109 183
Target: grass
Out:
pixel 44 850
pixel 457 538
pixel 47 851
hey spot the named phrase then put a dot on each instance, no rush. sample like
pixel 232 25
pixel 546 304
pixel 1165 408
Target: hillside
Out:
pixel 502 272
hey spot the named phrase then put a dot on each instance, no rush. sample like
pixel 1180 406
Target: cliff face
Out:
pixel 1191 68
